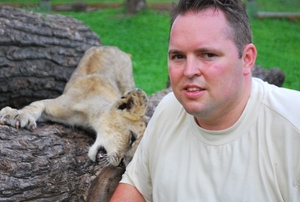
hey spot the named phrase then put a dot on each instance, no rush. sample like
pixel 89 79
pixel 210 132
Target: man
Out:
pixel 221 135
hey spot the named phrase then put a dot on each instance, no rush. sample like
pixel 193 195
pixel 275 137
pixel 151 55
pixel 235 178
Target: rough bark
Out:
pixel 48 164
pixel 46 46
pixel 135 6
pixel 109 176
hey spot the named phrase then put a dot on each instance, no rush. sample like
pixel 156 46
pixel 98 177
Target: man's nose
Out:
pixel 192 67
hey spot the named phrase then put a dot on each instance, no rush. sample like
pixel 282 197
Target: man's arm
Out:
pixel 127 193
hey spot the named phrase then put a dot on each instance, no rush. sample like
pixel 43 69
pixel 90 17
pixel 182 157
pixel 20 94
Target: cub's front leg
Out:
pixel 23 118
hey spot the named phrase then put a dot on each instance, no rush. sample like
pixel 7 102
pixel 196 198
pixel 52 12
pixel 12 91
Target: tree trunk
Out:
pixel 46 46
pixel 134 6
pixel 273 76
pixel 49 164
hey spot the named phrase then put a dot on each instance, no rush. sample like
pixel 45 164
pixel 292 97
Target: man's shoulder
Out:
pixel 281 102
pixel 169 101
pixel 168 108
pixel 275 95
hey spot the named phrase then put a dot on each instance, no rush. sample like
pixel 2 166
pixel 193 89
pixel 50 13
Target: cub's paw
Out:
pixel 134 102
pixel 17 118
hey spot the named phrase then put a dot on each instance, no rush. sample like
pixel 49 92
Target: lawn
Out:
pixel 279 5
pixel 145 36
pixel 278 43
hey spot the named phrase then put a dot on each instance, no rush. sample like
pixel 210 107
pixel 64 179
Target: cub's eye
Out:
pixel 132 138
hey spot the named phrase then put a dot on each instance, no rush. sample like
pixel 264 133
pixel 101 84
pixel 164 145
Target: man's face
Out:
pixel 206 73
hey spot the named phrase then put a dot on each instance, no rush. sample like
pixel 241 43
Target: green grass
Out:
pixel 145 36
pixel 278 43
pixel 279 5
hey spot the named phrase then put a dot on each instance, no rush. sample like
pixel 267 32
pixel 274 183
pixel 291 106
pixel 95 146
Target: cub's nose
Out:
pixel 101 154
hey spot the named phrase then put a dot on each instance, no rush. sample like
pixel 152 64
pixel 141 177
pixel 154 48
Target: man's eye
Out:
pixel 209 55
pixel 177 57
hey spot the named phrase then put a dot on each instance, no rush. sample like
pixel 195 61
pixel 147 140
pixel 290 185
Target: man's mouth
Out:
pixel 193 89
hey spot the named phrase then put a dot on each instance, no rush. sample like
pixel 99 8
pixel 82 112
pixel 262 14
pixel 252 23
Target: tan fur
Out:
pixel 101 95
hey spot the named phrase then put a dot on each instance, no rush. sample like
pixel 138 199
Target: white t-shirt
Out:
pixel 257 159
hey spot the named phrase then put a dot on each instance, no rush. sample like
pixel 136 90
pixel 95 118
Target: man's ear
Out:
pixel 249 58
pixel 133 104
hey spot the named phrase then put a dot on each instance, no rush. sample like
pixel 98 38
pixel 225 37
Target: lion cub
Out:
pixel 100 95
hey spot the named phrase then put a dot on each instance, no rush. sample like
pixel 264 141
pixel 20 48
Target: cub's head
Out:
pixel 120 129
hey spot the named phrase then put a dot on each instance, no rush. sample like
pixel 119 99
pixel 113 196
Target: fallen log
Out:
pixel 46 46
pixel 279 15
pixel 48 164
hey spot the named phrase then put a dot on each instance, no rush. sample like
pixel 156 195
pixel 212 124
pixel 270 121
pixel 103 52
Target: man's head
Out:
pixel 209 66
pixel 235 14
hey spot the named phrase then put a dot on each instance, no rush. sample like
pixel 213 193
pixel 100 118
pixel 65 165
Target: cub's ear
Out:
pixel 133 104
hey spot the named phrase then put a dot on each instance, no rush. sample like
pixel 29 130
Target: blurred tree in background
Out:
pixel 134 6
